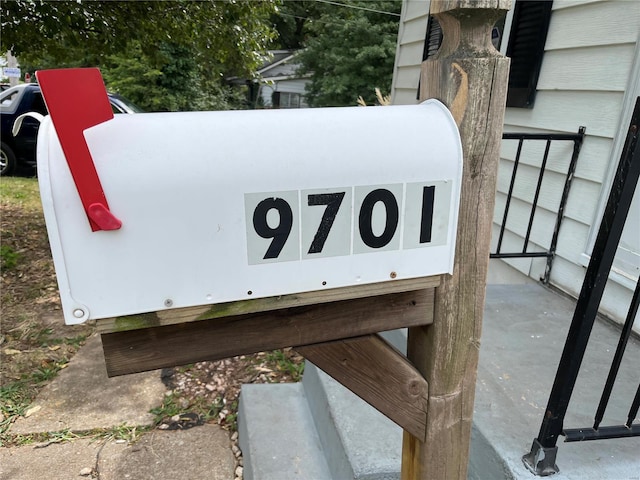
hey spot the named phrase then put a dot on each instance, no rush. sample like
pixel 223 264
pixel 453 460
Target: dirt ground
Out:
pixel 35 344
pixel 33 336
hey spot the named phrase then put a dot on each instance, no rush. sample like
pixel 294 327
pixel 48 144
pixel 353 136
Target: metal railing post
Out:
pixel 541 459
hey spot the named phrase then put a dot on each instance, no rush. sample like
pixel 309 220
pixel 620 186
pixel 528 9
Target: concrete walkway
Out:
pixel 83 398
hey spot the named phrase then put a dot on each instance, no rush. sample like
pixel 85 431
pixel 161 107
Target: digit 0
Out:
pixel 365 218
pixel 278 234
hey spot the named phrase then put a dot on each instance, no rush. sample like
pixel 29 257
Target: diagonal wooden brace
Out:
pixel 377 373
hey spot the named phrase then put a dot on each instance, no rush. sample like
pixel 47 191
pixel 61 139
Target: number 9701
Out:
pixel 305 224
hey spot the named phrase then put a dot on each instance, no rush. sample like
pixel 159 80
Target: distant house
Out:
pixel 280 86
pixel 586 72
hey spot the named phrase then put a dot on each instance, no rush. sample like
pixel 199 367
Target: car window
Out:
pixel 115 108
pixel 38 104
pixel 120 105
pixel 7 100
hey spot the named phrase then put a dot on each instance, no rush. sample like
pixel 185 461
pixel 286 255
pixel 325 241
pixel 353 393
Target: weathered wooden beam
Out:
pixel 219 310
pixel 377 373
pixel 167 346
pixel 470 77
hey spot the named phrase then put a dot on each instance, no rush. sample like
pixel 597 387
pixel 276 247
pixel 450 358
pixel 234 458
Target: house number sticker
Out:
pixel 306 224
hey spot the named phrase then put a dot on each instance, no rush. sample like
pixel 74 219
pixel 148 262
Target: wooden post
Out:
pixel 470 77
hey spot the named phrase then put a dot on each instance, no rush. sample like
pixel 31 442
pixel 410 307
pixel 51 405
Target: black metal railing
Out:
pixel 549 254
pixel 541 460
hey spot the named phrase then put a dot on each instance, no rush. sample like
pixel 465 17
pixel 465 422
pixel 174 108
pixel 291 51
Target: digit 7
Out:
pixel 333 202
pixel 281 232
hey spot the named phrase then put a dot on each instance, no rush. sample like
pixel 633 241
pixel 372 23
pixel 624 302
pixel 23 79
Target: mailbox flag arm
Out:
pixel 77 99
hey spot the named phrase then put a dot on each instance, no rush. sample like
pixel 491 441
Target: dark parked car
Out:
pixel 20 151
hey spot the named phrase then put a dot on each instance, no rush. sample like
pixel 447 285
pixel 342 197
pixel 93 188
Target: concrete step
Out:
pixel 322 426
pixel 361 443
pixel 277 435
pixel 358 441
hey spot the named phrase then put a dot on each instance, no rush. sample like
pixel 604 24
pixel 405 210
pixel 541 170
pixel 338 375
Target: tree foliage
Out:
pixel 178 51
pixel 292 18
pixel 174 55
pixel 349 51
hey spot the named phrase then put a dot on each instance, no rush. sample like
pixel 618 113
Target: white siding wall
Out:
pixel 406 75
pixel 296 85
pixel 587 66
pixel 589 55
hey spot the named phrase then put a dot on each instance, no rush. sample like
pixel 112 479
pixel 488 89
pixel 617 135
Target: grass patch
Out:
pixel 74 342
pixel 22 192
pixel 231 418
pixel 17 396
pixel 170 407
pixel 15 399
pixel 126 433
pixel 174 405
pixel 48 371
pixel 122 432
pixel 286 362
pixel 8 257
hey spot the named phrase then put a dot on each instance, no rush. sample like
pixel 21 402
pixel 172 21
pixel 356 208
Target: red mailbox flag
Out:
pixel 77 99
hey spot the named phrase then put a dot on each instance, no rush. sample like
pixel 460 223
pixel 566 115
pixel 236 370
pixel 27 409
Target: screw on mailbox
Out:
pixel 393 274
pixel 168 302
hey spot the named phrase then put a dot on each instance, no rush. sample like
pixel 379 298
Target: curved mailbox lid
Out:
pixel 227 206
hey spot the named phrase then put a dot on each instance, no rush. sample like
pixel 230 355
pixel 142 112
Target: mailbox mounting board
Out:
pixel 228 206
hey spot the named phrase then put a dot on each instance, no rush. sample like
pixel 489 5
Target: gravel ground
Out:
pixel 218 383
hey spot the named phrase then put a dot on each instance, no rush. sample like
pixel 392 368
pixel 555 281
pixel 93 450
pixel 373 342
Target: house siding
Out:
pixel 406 75
pixel 589 61
pixel 280 75
pixel 296 85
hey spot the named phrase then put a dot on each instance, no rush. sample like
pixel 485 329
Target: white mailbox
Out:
pixel 226 206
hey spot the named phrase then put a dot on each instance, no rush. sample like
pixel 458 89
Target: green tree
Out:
pixel 349 51
pixel 174 50
pixel 170 81
pixel 292 18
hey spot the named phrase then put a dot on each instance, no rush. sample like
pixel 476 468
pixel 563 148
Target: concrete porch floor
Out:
pixel 524 331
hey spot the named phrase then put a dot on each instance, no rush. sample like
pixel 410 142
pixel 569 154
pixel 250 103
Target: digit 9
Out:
pixel 280 233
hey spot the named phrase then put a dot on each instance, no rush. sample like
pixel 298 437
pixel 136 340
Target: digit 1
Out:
pixel 365 221
pixel 333 202
pixel 281 232
pixel 426 222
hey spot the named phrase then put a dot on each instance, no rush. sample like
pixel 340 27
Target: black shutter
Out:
pixel 433 38
pixel 526 49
